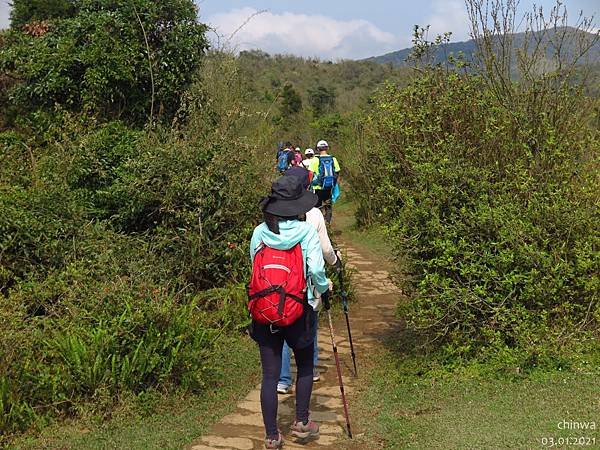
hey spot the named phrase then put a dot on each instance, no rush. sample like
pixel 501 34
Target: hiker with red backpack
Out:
pixel 332 257
pixel 326 169
pixel 286 252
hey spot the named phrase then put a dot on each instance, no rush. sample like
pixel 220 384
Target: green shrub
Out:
pixel 496 211
pixel 115 59
pixel 26 11
pixel 329 125
pixel 123 252
pixel 37 231
pixel 95 343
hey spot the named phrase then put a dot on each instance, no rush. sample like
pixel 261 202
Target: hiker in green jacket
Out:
pixel 326 169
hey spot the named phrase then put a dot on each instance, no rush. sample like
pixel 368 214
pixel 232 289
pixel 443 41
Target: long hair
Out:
pixel 272 221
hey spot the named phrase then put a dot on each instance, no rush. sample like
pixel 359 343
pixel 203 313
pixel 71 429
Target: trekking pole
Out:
pixel 325 297
pixel 340 272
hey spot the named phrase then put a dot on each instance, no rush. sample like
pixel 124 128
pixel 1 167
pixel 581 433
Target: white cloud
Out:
pixel 303 35
pixel 449 15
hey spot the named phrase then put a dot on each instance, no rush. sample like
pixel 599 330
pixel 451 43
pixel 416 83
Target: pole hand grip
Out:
pixel 338 262
pixel 325 299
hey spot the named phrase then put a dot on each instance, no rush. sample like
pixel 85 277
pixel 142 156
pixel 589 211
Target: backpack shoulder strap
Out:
pixel 261 245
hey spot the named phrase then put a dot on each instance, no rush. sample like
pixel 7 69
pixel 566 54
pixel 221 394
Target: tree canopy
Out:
pixel 102 57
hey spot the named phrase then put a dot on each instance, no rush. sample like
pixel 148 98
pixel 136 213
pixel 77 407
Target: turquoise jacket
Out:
pixel 292 232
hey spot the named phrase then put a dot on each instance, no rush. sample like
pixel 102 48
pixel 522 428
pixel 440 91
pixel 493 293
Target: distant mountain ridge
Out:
pixel 469 48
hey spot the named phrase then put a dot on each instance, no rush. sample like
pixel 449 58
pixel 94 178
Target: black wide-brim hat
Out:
pixel 288 198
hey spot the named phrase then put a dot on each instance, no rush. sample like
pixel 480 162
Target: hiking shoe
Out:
pixel 283 389
pixel 316 375
pixel 274 443
pixel 303 431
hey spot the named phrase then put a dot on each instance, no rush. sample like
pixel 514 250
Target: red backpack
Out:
pixel 276 292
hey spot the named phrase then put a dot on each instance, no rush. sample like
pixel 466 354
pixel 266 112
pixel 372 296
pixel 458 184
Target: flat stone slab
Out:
pixel 244 419
pixel 253 406
pixel 229 442
pixel 333 403
pixel 326 416
pixel 254 395
pixel 327 428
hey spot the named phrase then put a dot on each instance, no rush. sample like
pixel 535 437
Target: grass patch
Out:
pixel 160 422
pixel 369 239
pixel 401 409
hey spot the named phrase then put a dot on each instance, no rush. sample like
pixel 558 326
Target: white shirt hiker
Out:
pixel 316 219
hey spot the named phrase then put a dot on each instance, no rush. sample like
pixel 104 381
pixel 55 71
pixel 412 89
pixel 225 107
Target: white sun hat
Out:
pixel 309 151
pixel 322 144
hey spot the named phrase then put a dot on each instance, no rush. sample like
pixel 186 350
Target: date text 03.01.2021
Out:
pixel 579 441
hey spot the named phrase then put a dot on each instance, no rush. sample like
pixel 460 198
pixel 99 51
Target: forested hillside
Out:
pixel 307 98
pixel 549 39
pixel 133 156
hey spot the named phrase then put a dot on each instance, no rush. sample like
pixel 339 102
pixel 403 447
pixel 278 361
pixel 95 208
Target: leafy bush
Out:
pixel 95 341
pixel 115 59
pixel 122 252
pixel 321 99
pixel 496 211
pixel 37 231
pixel 329 125
pixel 26 11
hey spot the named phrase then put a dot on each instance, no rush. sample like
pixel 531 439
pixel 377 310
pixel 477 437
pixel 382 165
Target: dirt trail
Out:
pixel 371 317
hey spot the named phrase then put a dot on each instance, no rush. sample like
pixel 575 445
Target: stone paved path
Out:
pixel 371 317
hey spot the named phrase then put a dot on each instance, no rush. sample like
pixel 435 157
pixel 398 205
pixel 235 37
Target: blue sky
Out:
pixel 335 29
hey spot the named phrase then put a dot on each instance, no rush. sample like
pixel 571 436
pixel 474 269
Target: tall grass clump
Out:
pixel 487 185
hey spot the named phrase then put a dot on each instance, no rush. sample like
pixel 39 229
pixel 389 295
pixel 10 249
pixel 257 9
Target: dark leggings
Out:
pixel 270 356
pixel 324 203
